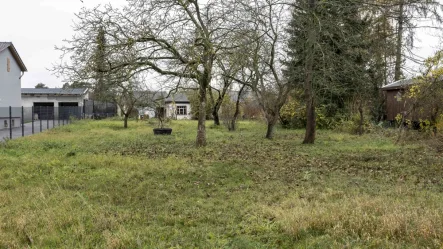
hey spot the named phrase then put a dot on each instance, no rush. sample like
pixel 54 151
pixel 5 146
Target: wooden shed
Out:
pixel 397 103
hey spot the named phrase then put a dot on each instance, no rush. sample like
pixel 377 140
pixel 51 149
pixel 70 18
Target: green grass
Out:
pixel 93 184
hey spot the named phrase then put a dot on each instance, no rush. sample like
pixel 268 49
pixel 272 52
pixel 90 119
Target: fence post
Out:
pixel 10 122
pixel 53 117
pixel 84 109
pixel 32 118
pixel 47 118
pixel 41 123
pixel 23 121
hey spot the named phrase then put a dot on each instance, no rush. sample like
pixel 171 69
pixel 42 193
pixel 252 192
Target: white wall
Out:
pixel 171 111
pixel 28 101
pixel 147 112
pixel 10 89
pixel 10 83
pixel 16 122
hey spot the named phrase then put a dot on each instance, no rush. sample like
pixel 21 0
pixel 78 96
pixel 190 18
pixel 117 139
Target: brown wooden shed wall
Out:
pixel 395 107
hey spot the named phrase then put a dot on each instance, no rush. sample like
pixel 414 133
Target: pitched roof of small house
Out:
pixel 177 98
pixel 10 46
pixel 400 84
pixel 54 91
pixel 147 97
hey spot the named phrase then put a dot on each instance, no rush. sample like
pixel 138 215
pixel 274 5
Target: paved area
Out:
pixel 39 126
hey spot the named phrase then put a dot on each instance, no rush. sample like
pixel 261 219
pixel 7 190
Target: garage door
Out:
pixel 44 110
pixel 69 109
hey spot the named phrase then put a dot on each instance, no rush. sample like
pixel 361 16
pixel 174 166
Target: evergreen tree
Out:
pixel 328 48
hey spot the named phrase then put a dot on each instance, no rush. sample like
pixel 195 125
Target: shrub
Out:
pixel 352 125
pixel 293 115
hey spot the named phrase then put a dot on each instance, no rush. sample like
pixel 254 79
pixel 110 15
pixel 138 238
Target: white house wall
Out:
pixel 10 83
pixel 10 89
pixel 171 111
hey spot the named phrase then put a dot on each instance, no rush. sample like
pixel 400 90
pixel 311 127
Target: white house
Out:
pixel 178 106
pixel 12 69
pixel 51 103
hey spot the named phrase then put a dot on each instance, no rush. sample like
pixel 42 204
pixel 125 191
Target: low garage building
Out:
pixel 58 103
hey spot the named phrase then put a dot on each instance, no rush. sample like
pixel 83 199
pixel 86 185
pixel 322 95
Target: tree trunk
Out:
pixel 309 94
pixel 271 124
pixel 310 121
pixel 216 118
pixel 399 45
pixel 215 111
pixel 204 83
pixel 126 117
pixel 233 125
pixel 201 132
pixel 360 125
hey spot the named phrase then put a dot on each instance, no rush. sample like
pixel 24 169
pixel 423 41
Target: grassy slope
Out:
pixel 93 184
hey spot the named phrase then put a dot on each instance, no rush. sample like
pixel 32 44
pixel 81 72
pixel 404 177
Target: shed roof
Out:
pixel 54 91
pixel 400 84
pixel 10 46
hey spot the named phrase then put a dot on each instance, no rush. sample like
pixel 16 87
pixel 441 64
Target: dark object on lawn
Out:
pixel 162 131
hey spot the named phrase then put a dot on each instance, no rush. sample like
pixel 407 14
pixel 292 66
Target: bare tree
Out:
pixel 178 39
pixel 128 95
pixel 263 69
pixel 268 82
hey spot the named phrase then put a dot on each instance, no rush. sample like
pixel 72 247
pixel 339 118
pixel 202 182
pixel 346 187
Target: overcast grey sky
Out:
pixel 36 26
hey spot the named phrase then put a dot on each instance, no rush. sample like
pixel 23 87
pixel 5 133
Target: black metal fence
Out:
pixel 98 110
pixel 23 121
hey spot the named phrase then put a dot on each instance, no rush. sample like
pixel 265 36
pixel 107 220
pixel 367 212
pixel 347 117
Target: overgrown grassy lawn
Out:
pixel 95 185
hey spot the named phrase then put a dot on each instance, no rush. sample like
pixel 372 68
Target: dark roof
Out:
pixel 151 97
pixel 178 98
pixel 400 84
pixel 6 45
pixel 54 91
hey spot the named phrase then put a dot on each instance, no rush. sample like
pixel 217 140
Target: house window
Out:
pixel 181 110
pixel 12 123
pixel 6 124
pixel 8 65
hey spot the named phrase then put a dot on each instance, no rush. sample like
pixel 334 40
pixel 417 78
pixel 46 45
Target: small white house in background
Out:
pixel 12 69
pixel 178 106
pixel 46 100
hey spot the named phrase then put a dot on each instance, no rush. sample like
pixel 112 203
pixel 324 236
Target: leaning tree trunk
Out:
pixel 399 45
pixel 233 124
pixel 201 133
pixel 215 111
